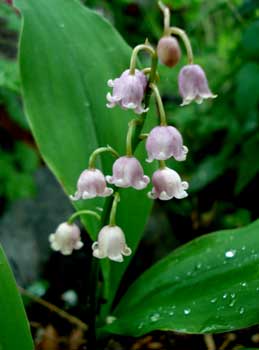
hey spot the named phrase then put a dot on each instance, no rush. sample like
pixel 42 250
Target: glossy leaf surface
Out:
pixel 67 55
pixel 14 326
pixel 209 285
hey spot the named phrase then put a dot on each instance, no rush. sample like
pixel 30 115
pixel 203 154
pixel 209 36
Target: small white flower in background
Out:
pixel 168 184
pixel 128 172
pixel 111 244
pixel 66 238
pixel 91 183
pixel 193 84
pixel 128 91
pixel 163 142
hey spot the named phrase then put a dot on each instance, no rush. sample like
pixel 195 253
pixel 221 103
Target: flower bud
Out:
pixel 128 91
pixel 164 142
pixel 168 184
pixel 91 183
pixel 128 172
pixel 168 51
pixel 66 238
pixel 111 244
pixel 193 84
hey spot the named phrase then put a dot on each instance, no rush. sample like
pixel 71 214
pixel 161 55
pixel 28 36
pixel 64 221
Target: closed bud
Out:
pixel 168 51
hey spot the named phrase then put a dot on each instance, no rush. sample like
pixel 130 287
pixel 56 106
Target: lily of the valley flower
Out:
pixel 111 244
pixel 193 84
pixel 128 91
pixel 66 238
pixel 164 142
pixel 128 172
pixel 168 184
pixel 91 183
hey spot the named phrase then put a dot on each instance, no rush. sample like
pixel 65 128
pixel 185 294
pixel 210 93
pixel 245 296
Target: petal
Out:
pixel 87 195
pixel 126 251
pixel 52 237
pixel 107 192
pixel 164 196
pixel 117 258
pixel 152 195
pixel 110 83
pixel 55 246
pixel 76 196
pixel 78 245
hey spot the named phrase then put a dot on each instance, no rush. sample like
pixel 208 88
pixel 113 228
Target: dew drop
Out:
pixel 199 265
pixel 213 301
pixel 140 325
pixel 187 311
pixel 243 284
pixel 257 289
pixel 224 296
pixel 171 313
pixel 62 25
pixel 232 295
pixel 155 317
pixel 241 310
pixel 243 248
pixel 230 253
pixel 232 303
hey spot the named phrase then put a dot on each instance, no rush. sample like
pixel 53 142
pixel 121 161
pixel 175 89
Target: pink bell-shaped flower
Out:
pixel 66 238
pixel 128 91
pixel 91 183
pixel 168 184
pixel 128 172
pixel 164 142
pixel 193 84
pixel 111 244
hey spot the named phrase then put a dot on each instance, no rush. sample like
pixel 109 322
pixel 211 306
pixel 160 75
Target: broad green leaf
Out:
pixel 67 55
pixel 14 327
pixel 209 285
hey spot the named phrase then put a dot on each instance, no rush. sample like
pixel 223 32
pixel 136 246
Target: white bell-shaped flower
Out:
pixel 193 84
pixel 168 184
pixel 66 238
pixel 163 142
pixel 111 244
pixel 128 91
pixel 91 183
pixel 128 172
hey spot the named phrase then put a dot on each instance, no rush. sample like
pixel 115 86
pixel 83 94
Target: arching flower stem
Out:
pixel 166 13
pixel 98 151
pixel 136 50
pixel 181 33
pixel 160 105
pixel 132 125
pixel 112 221
pixel 83 212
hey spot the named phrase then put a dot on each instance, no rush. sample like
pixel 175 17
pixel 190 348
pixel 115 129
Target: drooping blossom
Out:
pixel 128 172
pixel 111 244
pixel 128 91
pixel 66 238
pixel 91 183
pixel 193 84
pixel 168 184
pixel 168 51
pixel 163 142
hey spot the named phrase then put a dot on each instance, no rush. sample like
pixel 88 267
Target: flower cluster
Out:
pixel 162 143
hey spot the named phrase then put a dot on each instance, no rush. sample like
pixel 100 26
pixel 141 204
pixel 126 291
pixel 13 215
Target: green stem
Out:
pixel 136 50
pixel 83 212
pixel 115 202
pixel 166 13
pixel 162 164
pixel 148 71
pixel 143 136
pixel 131 128
pixel 98 151
pixel 160 105
pixel 181 33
